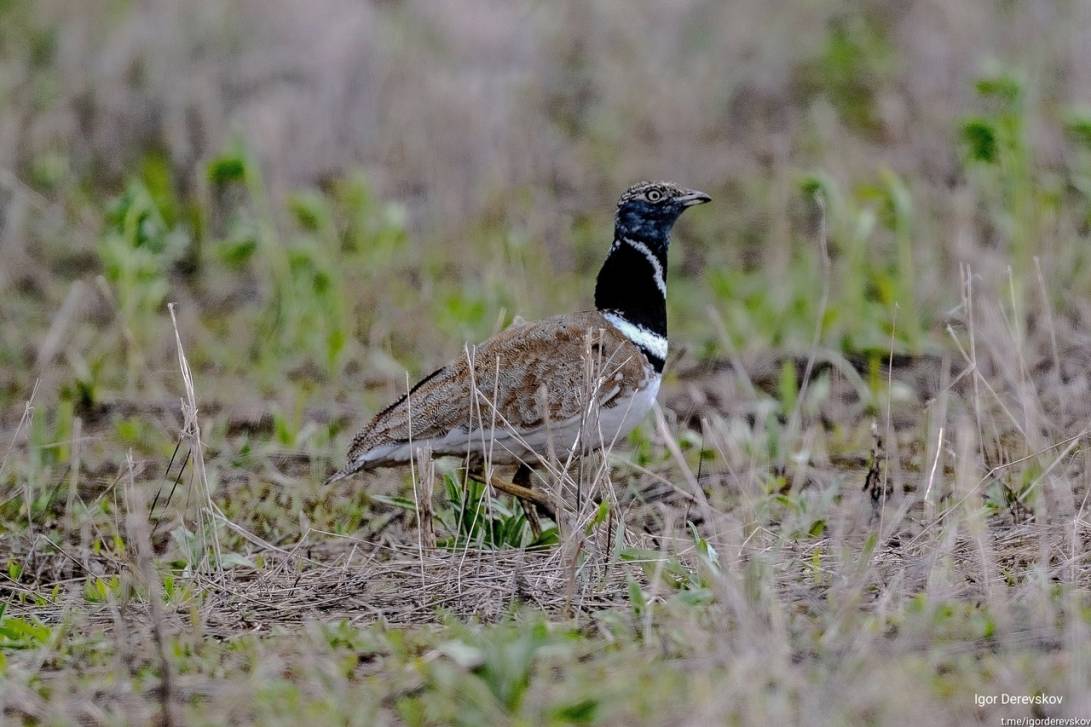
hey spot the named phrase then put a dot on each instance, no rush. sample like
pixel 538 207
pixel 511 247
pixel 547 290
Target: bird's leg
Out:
pixel 522 478
pixel 524 493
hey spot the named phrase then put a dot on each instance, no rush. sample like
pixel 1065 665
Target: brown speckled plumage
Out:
pixel 550 354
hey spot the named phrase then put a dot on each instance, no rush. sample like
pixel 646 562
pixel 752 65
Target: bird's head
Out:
pixel 648 210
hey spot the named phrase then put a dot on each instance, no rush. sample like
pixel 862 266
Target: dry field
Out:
pixel 231 231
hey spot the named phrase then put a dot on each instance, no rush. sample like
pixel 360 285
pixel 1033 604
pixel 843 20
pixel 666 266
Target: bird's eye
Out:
pixel 654 195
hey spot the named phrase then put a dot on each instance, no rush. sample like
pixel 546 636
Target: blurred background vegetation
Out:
pixel 333 191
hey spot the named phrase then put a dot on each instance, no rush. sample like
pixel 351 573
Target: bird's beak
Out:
pixel 693 197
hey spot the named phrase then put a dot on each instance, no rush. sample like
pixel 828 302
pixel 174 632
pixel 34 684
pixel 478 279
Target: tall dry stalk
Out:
pixel 207 522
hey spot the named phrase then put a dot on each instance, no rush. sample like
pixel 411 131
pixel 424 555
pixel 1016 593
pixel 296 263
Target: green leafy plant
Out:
pixel 855 62
pixel 471 518
pixel 22 633
pixel 137 250
pixel 502 660
pixel 999 162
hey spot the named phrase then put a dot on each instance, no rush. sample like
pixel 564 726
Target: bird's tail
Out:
pixel 347 471
pixel 353 466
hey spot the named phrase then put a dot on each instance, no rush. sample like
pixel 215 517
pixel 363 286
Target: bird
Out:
pixel 558 387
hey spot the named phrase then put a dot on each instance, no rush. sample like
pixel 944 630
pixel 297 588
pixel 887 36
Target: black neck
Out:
pixel 627 284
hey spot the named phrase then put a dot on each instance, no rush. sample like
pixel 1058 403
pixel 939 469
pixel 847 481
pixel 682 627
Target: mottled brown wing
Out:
pixel 509 369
